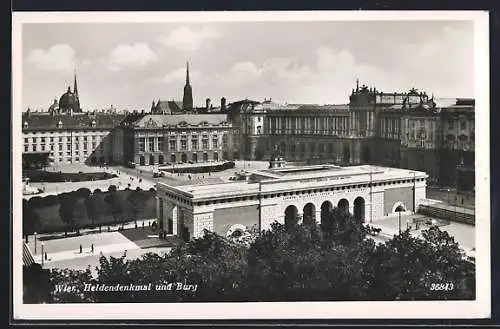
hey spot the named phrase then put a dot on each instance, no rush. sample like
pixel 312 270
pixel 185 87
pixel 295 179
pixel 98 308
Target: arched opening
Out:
pixel 236 233
pixel 216 156
pixel 151 159
pixel 236 155
pixel 343 205
pixel 205 157
pixel 359 209
pixel 195 157
pixel 400 208
pixel 326 209
pixel 291 216
pixel 161 159
pixel 183 157
pixel 173 159
pixel 142 160
pixel 309 216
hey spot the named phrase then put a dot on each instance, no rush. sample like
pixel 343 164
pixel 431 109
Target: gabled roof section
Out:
pixel 79 120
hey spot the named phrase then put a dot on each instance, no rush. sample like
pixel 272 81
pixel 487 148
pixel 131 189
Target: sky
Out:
pixel 128 65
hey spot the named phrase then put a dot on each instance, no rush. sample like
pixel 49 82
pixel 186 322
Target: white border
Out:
pixel 480 308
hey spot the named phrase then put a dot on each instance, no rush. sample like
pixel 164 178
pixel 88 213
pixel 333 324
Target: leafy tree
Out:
pixel 95 207
pixel 137 199
pixel 114 200
pixel 67 209
pixel 83 192
pixel 60 278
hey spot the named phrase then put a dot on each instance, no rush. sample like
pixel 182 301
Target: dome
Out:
pixel 54 107
pixel 69 101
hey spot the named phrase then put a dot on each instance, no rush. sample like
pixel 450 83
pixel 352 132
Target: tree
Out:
pixel 83 192
pixel 114 200
pixel 95 207
pixel 137 199
pixel 67 209
pixel 60 278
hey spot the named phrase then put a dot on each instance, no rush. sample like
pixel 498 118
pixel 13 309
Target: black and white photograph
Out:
pixel 250 165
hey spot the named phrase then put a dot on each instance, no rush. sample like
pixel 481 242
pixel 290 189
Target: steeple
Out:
pixel 75 87
pixel 187 100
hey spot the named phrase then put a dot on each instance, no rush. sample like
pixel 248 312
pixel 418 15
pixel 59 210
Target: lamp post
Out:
pixel 448 195
pixel 399 221
pixel 35 241
pixel 42 253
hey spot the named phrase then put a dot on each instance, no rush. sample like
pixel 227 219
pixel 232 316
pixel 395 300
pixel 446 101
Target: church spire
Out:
pixel 187 100
pixel 75 87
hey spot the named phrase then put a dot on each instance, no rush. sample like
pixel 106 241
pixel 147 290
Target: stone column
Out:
pixel 175 219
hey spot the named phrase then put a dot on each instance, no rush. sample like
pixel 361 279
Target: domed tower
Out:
pixel 69 101
pixel 187 100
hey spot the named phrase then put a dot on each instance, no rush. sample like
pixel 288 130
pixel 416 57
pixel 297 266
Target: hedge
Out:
pixel 38 176
pixel 43 215
pixel 201 169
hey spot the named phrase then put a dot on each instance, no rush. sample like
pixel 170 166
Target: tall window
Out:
pixel 140 145
pixel 293 125
pixel 194 142
pixel 283 125
pixel 25 148
pixel 450 124
pixel 215 142
pixel 224 140
pixel 151 144
pixel 302 125
pixel 160 144
pixel 172 144
pixel 312 125
pixel 463 124
pixel 183 143
pixel 204 142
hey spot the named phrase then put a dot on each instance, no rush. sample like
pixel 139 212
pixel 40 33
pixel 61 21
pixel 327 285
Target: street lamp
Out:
pixel 42 254
pixel 399 221
pixel 448 195
pixel 35 241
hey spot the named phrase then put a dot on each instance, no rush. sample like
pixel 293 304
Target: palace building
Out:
pixel 285 195
pixel 408 130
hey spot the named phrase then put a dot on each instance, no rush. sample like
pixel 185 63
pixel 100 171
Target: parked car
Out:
pixel 131 164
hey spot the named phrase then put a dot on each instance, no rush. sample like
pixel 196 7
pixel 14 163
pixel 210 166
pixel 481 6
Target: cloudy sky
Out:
pixel 129 65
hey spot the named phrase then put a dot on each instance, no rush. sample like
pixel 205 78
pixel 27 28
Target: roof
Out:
pixel 168 106
pixel 295 178
pixel 46 120
pixel 165 120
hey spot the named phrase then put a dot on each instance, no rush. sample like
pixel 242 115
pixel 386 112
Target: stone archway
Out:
pixel 291 216
pixel 173 159
pixel 309 214
pixel 151 159
pixel 142 160
pixel 183 157
pixel 326 208
pixel 359 209
pixel 343 205
pixel 161 159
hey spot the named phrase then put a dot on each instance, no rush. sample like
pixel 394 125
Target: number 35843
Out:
pixel 445 286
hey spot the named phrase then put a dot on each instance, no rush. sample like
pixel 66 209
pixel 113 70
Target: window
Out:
pixel 60 154
pixel 463 125
pixel 151 144
pixel 183 143
pixel 160 144
pixel 93 145
pixel 172 145
pixel 51 139
pixel 26 140
pixel 85 146
pixel 215 142
pixel 283 125
pixel 450 124
pixel 25 148
pixel 34 147
pixel 43 139
pixel 34 139
pixel 141 145
pixel 68 153
pixel 85 138
pixel 205 142
pixel 68 146
pixel 77 159
pixel 194 143
pixel 77 145
pixel 224 140
pixel 52 147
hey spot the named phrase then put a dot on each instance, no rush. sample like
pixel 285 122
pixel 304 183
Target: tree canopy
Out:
pixel 335 262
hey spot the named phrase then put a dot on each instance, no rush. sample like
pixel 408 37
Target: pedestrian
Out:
pixel 45 255
pixel 81 249
pixel 92 248
pixel 142 224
